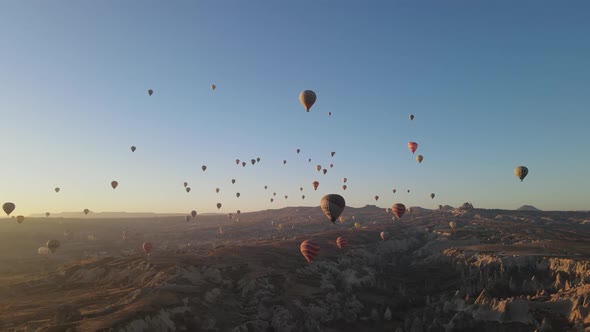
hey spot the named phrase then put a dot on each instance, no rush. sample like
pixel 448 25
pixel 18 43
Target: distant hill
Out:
pixel 528 208
pixel 111 215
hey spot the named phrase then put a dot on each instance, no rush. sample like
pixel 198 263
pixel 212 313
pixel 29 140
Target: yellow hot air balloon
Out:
pixel 307 99
pixel 521 172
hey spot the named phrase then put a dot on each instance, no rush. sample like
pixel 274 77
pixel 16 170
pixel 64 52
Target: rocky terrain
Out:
pixel 497 270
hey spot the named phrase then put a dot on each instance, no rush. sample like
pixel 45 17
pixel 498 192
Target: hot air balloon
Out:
pixel 432 195
pixel 238 212
pixel 408 190
pixel 376 197
pixel 218 206
pixel 318 167
pixel 52 245
pixel 307 99
pixel 220 230
pixel 315 185
pixel 57 189
pixel 398 210
pixel 342 219
pixel 394 191
pixel 187 218
pixel 43 251
pixel 243 164
pixel 133 148
pixel 193 213
pixel 329 113
pixel 233 181
pixel 253 161
pixel 384 236
pixel 20 219
pixel 213 87
pixel 258 159
pixel 331 165
pixel 521 172
pixel 188 189
pixel 387 210
pixel 238 195
pixel 344 187
pixel 413 146
pixel 344 180
pixel 298 150
pixel 411 117
pixel 217 190
pixel 150 92
pixel 325 171
pixel 237 161
pixel 332 205
pixel 453 224
pixel 341 242
pixel 47 214
pixel 419 158
pixel 286 196
pixel 147 247
pixel 185 184
pixel 309 160
pixel 274 194
pixel 357 225
pixel 203 168
pixel 114 184
pixel 440 207
pixel 309 249
pixel 230 215
pixel 284 162
pixel 332 154
pixel 8 207
pixel 265 187
pixel 272 200
pixel 302 196
pixel 86 211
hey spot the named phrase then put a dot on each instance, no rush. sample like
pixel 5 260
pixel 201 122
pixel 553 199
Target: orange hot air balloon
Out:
pixel 188 189
pixel 193 213
pixel 325 171
pixel 344 187
pixel 413 146
pixel 20 219
pixel 307 99
pixel 114 184
pixel 8 207
pixel 315 185
pixel 341 242
pixel 318 167
pixel 309 249
pixel 204 168
pixel 419 158
pixel 133 148
pixel 218 206
pixel 521 172
pixel 332 205
pixel 150 92
pixel 147 247
pixel 398 210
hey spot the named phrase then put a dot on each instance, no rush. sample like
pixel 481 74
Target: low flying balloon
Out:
pixel 411 117
pixel 315 185
pixel 193 213
pixel 325 171
pixel 419 158
pixel 307 99
pixel 8 207
pixel 150 92
pixel 521 172
pixel 398 210
pixel 344 187
pixel 332 205
pixel 218 206
pixel 52 245
pixel 86 211
pixel 432 195
pixel 43 251
pixel 413 146
pixel 114 184
pixel 133 148
pixel 188 189
pixel 187 218
pixel 47 214
pixel 384 236
pixel 204 168
pixel 147 247
pixel 309 250
pixel 57 189
pixel 20 219
pixel 341 242
pixel 238 212
pixel 453 224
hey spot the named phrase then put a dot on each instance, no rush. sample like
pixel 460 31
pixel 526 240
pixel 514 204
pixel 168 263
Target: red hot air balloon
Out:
pixel 316 184
pixel 114 184
pixel 147 247
pixel 398 210
pixel 413 146
pixel 309 249
pixel 341 242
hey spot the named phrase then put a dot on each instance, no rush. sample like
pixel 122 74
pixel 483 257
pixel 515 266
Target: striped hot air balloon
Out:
pixel 309 250
pixel 398 210
pixel 332 205
pixel 52 245
pixel 341 242
pixel 413 146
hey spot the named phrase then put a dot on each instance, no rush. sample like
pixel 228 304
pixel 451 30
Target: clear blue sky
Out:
pixel 493 85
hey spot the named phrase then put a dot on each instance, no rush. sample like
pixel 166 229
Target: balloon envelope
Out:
pixel 315 184
pixel 193 213
pixel 307 99
pixel 133 148
pixel 309 249
pixel 147 247
pixel 521 172
pixel 43 251
pixel 419 158
pixel 114 184
pixel 398 210
pixel 413 146
pixel 341 242
pixel 8 207
pixel 52 245
pixel 332 205
pixel 150 92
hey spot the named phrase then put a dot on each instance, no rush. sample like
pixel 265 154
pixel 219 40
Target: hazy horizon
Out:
pixel 492 86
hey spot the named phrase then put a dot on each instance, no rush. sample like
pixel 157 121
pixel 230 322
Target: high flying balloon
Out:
pixel 521 172
pixel 413 146
pixel 307 99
